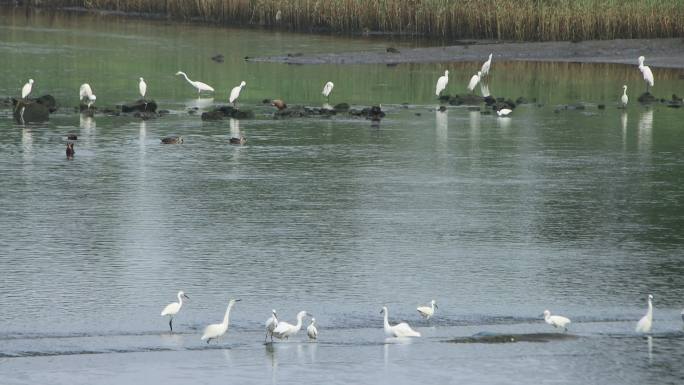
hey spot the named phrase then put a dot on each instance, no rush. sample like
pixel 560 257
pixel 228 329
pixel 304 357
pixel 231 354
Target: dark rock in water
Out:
pixel 521 100
pixel 224 112
pixel 83 107
pixel 72 137
pixel 444 98
pixel 70 150
pixel 30 112
pixel 146 115
pixel 674 104
pixel 489 100
pixel 172 140
pixel 675 98
pixel 238 141
pixel 473 108
pixel 418 114
pixel 192 112
pixel 495 338
pixel 140 106
pixel 298 54
pixel 576 106
pixel 501 105
pixel 467 99
pixel 111 112
pixel 646 97
pixel 373 113
pixel 341 107
pixel 601 106
pixel 218 58
pixel 266 101
pixel 442 108
pixel 213 115
pixel 293 112
pixel 48 101
pixel 6 102
pixel 242 114
pixel 163 112
pixel 392 50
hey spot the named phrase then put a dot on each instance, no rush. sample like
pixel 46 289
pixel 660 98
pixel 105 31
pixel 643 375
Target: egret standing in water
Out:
pixel 486 66
pixel 85 92
pixel 428 311
pixel 645 323
pixel 556 321
pixel 646 71
pixel 327 89
pixel 214 331
pixel 624 98
pixel 442 83
pixel 173 308
pixel 271 324
pixel 197 84
pixel 399 330
pixel 473 82
pixel 235 93
pixel 26 89
pixel 142 87
pixel 285 329
pixel 311 331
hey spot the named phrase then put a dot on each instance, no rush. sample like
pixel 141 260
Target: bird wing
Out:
pixel 485 67
pixel 558 320
pixel 209 331
pixel 171 308
pixel 142 86
pixel 404 330
pixel 473 82
pixel 26 90
pixel 425 310
pixel 85 91
pixel 648 75
pixel 282 328
pixel 441 84
pixel 204 86
pixel 234 93
pixel 327 89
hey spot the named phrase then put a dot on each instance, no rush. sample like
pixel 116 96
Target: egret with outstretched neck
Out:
pixel 646 322
pixel 646 72
pixel 26 89
pixel 173 308
pixel 399 330
pixel 85 92
pixel 442 83
pixel 235 93
pixel 428 311
pixel 284 329
pixel 486 66
pixel 215 331
pixel 556 321
pixel 271 324
pixel 327 89
pixel 197 84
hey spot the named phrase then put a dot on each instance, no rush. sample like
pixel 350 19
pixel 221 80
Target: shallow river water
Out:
pixel 576 211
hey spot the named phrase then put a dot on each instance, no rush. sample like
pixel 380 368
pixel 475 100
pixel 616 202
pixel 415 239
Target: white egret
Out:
pixel 214 331
pixel 428 311
pixel 442 83
pixel 473 81
pixel 645 323
pixel 646 71
pixel 311 331
pixel 197 84
pixel 173 308
pixel 235 93
pixel 285 329
pixel 271 324
pixel 142 87
pixel 504 112
pixel 26 89
pixel 624 98
pixel 85 92
pixel 327 89
pixel 556 321
pixel 398 330
pixel 486 66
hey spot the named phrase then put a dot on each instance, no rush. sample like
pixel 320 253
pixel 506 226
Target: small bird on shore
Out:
pixel 646 322
pixel 86 94
pixel 197 84
pixel 428 311
pixel 473 81
pixel 624 98
pixel 215 331
pixel 442 83
pixel 646 72
pixel 311 331
pixel 173 308
pixel 556 321
pixel 327 89
pixel 235 93
pixel 279 104
pixel 486 66
pixel 271 324
pixel 26 89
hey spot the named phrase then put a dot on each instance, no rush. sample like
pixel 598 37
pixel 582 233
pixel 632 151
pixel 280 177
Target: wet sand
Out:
pixel 668 53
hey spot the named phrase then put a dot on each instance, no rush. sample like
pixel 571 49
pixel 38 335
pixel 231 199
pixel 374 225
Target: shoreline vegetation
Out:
pixel 512 20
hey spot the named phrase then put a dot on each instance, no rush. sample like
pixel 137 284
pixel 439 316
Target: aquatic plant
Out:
pixel 448 19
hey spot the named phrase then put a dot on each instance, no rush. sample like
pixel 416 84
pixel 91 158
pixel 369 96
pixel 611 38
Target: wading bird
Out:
pixel 142 87
pixel 311 331
pixel 486 66
pixel 645 323
pixel 473 82
pixel 327 89
pixel 26 89
pixel 646 71
pixel 428 311
pixel 173 308
pixel 398 330
pixel 504 112
pixel 271 324
pixel 197 84
pixel 442 83
pixel 556 321
pixel 86 94
pixel 235 93
pixel 214 331
pixel 624 98
pixel 285 329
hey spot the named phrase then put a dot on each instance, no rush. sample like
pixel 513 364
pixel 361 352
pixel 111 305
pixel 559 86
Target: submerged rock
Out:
pixel 140 106
pixel 646 97
pixel 341 107
pixel 468 99
pixel 224 112
pixel 238 141
pixel 29 111
pixel 48 101
pixel 496 338
pixel 70 150
pixel 172 140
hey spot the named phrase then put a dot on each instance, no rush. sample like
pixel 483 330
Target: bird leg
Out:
pixel 171 324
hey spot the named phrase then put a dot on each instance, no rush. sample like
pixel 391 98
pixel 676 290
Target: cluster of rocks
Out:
pixel 226 112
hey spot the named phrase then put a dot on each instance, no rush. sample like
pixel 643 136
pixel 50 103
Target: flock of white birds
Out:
pixel 283 330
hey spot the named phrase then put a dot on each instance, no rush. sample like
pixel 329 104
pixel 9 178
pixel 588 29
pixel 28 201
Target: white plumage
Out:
pixel 504 112
pixel 311 331
pixel 428 311
pixel 646 72
pixel 271 324
pixel 556 321
pixel 214 331
pixel 442 83
pixel 26 89
pixel 645 323
pixel 85 92
pixel 142 87
pixel 197 84
pixel 399 330
pixel 327 89
pixel 235 92
pixel 173 308
pixel 284 329
pixel 624 98
pixel 473 81
pixel 486 66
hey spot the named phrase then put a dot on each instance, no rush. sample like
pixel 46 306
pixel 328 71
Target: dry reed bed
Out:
pixel 527 20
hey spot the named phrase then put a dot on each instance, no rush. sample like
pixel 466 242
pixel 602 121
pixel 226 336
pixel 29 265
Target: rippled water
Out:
pixel 578 211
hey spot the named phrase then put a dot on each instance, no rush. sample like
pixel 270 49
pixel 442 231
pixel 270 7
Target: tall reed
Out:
pixel 448 19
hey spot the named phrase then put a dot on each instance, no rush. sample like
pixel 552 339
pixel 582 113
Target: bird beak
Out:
pixel 436 307
pixel 238 300
pixel 186 296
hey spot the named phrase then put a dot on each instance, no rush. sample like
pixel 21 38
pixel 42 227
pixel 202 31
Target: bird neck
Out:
pixel 180 300
pixel 386 321
pixel 433 306
pixel 186 77
pixel 649 314
pixel 299 321
pixel 226 317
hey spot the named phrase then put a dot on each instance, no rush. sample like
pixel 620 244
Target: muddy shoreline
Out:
pixel 665 53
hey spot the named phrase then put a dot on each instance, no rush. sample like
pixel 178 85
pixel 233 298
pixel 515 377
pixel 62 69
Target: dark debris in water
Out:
pixel 495 338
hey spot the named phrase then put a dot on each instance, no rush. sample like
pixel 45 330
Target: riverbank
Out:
pixel 666 53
